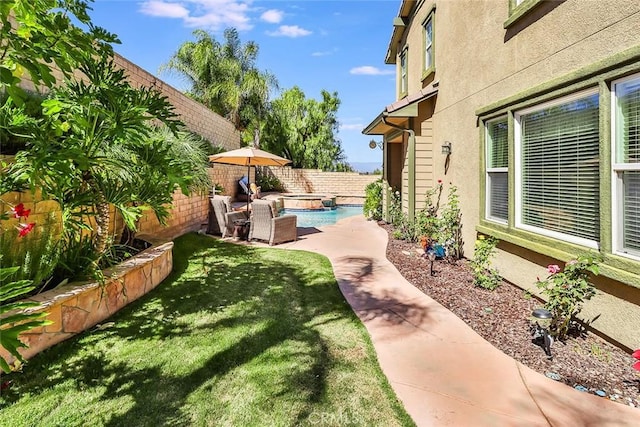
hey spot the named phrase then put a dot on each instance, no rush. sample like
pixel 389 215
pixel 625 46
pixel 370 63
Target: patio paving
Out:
pixel 443 372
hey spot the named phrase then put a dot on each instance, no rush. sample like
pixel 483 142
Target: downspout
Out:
pixel 412 167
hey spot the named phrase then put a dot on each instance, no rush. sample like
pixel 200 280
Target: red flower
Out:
pixel 636 355
pixel 439 181
pixel 25 228
pixel 19 211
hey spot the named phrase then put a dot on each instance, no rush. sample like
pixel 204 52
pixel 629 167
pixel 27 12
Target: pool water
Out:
pixel 322 218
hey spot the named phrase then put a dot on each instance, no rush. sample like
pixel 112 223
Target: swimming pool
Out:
pixel 321 218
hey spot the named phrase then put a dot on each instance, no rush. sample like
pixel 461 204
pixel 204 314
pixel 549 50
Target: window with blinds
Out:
pixel 557 162
pixel 497 191
pixel 626 166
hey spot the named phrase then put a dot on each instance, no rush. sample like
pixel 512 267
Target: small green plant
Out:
pixel 600 353
pixel 567 290
pixel 451 225
pixel 484 275
pixel 396 216
pixel 372 208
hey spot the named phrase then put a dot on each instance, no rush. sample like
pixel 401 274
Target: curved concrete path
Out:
pixel 443 372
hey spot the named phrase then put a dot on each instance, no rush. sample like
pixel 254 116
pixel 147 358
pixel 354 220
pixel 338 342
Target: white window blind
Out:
pixel 497 171
pixel 559 169
pixel 627 165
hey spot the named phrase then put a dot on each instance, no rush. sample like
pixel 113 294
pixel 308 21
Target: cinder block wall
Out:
pixel 196 117
pixel 347 184
pixel 190 213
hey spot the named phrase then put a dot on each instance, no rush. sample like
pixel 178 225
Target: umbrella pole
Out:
pixel 248 187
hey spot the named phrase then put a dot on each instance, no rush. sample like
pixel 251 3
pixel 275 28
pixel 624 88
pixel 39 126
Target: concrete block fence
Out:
pixel 345 185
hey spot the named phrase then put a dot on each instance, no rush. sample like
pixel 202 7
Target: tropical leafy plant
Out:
pixel 12 314
pixel 13 321
pixel 36 33
pixel 567 290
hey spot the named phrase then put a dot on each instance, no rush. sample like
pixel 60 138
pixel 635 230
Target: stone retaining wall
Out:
pixel 76 307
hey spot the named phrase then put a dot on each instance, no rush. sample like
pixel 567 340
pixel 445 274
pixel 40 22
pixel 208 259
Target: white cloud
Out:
pixel 272 16
pixel 325 52
pixel 208 14
pixel 370 71
pixel 164 9
pixel 353 126
pixel 292 31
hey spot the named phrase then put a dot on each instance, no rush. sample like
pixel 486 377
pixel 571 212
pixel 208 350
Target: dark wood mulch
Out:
pixel 502 318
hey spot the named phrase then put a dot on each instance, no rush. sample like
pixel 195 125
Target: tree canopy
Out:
pixel 303 130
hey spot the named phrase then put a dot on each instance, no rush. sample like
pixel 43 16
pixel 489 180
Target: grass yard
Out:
pixel 236 336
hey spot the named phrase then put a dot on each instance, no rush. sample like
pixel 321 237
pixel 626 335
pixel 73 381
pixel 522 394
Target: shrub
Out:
pixel 268 182
pixel 567 291
pixel 451 225
pixel 484 275
pixel 396 216
pixel 372 208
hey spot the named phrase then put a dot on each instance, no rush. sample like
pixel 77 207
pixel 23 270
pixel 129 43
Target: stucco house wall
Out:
pixel 490 54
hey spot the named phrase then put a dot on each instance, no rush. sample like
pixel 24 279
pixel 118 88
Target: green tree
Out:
pixel 224 77
pixel 36 33
pixel 96 148
pixel 303 130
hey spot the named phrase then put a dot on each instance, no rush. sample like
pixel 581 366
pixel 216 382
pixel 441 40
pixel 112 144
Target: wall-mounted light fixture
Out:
pixel 446 148
pixel 373 144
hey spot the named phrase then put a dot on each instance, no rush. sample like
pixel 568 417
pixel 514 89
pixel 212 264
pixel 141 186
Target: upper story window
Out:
pixel 558 170
pixel 428 44
pixel 519 9
pixel 404 77
pixel 497 168
pixel 626 166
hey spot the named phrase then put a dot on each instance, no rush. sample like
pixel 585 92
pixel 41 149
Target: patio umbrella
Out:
pixel 248 157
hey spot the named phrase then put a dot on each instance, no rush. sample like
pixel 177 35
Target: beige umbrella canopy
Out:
pixel 248 157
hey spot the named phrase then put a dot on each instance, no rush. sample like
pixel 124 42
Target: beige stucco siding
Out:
pixel 478 63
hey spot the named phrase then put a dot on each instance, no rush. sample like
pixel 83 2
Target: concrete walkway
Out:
pixel 443 372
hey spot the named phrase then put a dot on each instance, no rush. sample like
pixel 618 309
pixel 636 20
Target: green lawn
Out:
pixel 236 336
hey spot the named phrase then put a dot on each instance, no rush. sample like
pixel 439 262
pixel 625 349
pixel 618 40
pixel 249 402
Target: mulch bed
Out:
pixel 502 318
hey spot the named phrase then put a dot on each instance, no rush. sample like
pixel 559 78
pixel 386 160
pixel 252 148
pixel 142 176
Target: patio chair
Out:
pixel 222 217
pixel 267 225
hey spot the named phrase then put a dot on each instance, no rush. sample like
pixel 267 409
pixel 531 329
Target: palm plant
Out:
pixel 224 77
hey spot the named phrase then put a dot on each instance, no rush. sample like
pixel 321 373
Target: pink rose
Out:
pixel 553 268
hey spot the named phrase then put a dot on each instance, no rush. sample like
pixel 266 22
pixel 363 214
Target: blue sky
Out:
pixel 314 44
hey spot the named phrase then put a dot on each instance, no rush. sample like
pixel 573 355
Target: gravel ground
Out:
pixel 502 318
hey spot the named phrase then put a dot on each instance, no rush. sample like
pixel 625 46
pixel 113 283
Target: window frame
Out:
pixel 617 177
pixel 518 171
pixel 427 70
pixel 403 84
pixel 518 10
pixel 488 170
